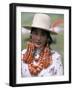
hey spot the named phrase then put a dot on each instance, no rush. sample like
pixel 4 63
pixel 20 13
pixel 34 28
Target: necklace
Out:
pixel 43 58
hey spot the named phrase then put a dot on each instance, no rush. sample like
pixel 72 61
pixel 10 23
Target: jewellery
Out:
pixel 44 60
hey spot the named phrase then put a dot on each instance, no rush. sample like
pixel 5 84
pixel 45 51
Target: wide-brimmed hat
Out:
pixel 41 21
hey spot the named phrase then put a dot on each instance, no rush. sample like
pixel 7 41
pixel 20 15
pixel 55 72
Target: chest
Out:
pixel 45 72
pixel 49 71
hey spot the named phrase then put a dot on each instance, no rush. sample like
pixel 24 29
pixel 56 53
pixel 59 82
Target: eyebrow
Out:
pixel 36 30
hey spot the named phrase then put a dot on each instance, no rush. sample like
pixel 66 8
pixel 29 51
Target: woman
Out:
pixel 38 59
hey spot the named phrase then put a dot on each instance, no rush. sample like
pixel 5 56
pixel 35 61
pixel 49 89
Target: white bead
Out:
pixel 37 56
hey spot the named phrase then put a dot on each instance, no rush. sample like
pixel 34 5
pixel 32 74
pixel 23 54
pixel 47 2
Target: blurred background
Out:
pixel 57 23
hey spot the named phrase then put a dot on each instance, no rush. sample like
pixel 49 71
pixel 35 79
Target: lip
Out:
pixel 38 43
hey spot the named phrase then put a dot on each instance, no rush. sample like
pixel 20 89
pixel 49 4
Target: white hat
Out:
pixel 41 21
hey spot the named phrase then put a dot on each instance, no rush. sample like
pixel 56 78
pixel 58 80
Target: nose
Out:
pixel 38 37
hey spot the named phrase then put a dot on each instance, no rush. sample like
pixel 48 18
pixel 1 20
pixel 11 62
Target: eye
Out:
pixel 43 34
pixel 35 32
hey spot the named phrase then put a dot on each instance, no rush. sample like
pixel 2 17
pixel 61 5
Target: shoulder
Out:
pixel 55 54
pixel 56 57
pixel 23 51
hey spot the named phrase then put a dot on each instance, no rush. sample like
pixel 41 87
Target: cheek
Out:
pixel 33 37
pixel 44 40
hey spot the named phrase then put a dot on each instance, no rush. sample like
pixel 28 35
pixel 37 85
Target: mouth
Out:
pixel 38 44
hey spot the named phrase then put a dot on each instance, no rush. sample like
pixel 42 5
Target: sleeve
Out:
pixel 58 66
pixel 24 67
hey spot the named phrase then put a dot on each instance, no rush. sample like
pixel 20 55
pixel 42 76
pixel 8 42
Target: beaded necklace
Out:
pixel 44 59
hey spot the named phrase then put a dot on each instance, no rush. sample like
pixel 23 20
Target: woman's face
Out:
pixel 39 37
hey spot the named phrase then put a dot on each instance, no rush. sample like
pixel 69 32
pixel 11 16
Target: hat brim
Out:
pixel 30 27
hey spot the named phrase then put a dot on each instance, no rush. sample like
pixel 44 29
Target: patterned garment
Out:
pixel 56 68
